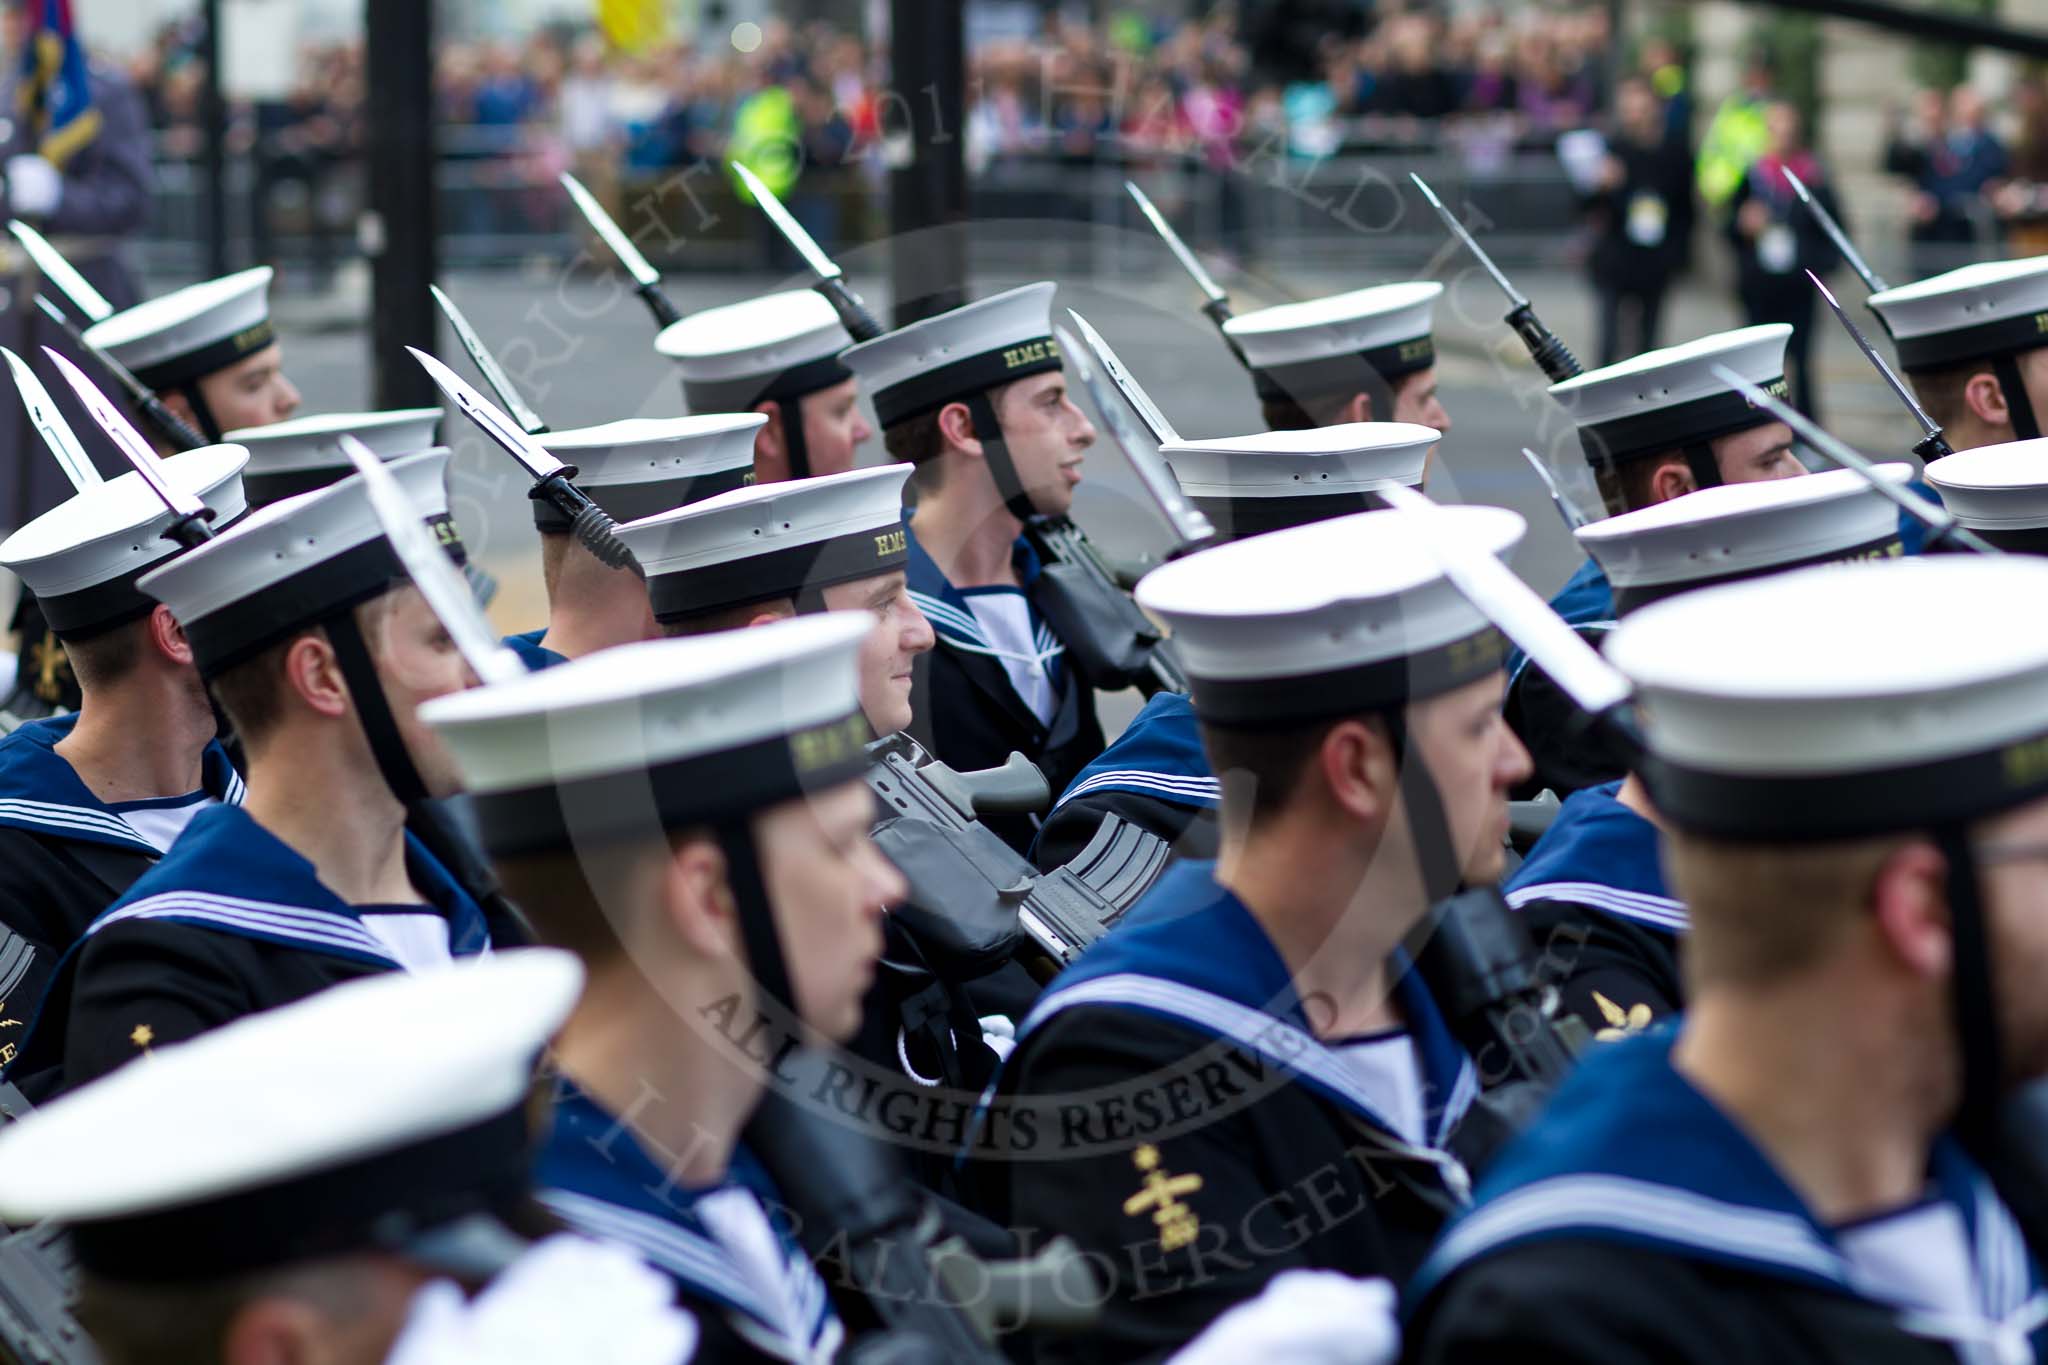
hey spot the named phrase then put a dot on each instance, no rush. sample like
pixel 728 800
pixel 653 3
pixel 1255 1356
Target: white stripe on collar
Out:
pixel 315 928
pixel 1203 788
pixel 1661 911
pixel 701 1261
pixel 65 819
pixel 1278 1041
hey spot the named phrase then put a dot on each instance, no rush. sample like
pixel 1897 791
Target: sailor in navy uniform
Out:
pixel 694 942
pixel 1796 1169
pixel 1245 1077
pixel 90 800
pixel 321 1174
pixel 1974 347
pixel 777 355
pixel 1362 356
pixel 301 454
pixel 1155 774
pixel 209 351
pixel 1999 491
pixel 631 469
pixel 975 401
pixel 317 648
pixel 1593 888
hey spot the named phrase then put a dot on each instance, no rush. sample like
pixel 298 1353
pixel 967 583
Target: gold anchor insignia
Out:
pixel 1621 1022
pixel 1162 1194
pixel 142 1036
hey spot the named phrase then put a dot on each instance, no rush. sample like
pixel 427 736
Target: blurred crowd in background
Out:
pixel 809 108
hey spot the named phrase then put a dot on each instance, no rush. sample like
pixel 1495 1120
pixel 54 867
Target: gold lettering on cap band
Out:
pixel 826 746
pixel 1030 354
pixel 890 543
pixel 2026 763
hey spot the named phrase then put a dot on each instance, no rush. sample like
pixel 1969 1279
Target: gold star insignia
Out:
pixel 142 1036
pixel 1620 1022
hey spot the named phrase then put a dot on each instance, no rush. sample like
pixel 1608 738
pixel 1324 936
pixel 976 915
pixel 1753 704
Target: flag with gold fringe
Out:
pixel 53 93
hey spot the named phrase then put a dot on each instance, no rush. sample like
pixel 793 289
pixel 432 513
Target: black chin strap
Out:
pixel 1976 1005
pixel 1435 854
pixel 373 709
pixel 2017 404
pixel 792 410
pixel 996 452
pixel 757 919
pixel 202 411
pixel 1706 470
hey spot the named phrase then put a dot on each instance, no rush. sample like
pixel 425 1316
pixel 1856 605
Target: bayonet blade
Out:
pixel 823 266
pixel 1471 244
pixel 1872 281
pixel 1892 380
pixel 122 432
pixel 431 570
pixel 1939 522
pixel 601 222
pixel 1210 289
pixel 1163 432
pixel 487 365
pixel 1188 521
pixel 489 418
pixel 1589 680
pixel 51 426
pixel 1572 520
pixel 61 272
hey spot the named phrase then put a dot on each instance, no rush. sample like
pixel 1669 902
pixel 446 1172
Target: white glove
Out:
pixel 999 1034
pixel 33 186
pixel 1304 1317
pixel 569 1301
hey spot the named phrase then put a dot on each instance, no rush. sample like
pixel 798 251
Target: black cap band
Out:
pixel 1945 350
pixel 208 359
pixel 376 1203
pixel 1778 808
pixel 624 502
pixel 1279 703
pixel 1236 518
pixel 930 390
pixel 741 394
pixel 245 627
pixel 1344 373
pixel 778 573
pixel 1641 434
pixel 114 602
pixel 705 789
pixel 1628 599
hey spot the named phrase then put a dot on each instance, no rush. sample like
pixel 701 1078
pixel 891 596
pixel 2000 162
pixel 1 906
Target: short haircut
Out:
pixel 576 898
pixel 1941 391
pixel 252 693
pixel 1273 761
pixel 727 618
pixel 554 549
pixel 1630 486
pixel 1762 913
pixel 176 1324
pixel 918 442
pixel 104 658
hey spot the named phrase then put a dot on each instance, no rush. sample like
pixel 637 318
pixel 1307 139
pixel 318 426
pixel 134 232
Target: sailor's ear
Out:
pixel 1672 480
pixel 1359 409
pixel 1985 397
pixel 956 425
pixel 1910 910
pixel 167 636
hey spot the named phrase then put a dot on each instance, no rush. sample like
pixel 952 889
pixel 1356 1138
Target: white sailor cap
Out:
pixel 1999 491
pixel 1785 709
pixel 661 735
pixel 958 355
pixel 1667 399
pixel 1324 346
pixel 382 1115
pixel 192 332
pixel 1330 619
pixel 1248 485
pixel 1744 530
pixel 772 540
pixel 778 346
pixel 1980 311
pixel 643 465
pixel 82 557
pixel 290 565
pixel 304 453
